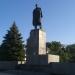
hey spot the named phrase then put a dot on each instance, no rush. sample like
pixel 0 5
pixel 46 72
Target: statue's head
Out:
pixel 36 6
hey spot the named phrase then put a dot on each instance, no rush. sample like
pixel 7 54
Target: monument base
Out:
pixel 36 48
pixel 36 45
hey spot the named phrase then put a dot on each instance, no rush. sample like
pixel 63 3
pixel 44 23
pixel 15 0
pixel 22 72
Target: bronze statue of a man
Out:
pixel 37 15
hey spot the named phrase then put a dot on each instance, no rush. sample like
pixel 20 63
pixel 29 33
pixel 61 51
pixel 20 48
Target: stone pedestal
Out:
pixel 36 45
pixel 36 49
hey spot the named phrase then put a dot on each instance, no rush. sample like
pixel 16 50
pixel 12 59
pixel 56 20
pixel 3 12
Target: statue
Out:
pixel 37 15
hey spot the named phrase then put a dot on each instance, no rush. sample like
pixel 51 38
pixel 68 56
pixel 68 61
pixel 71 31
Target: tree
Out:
pixel 65 55
pixel 57 48
pixel 71 50
pixel 54 47
pixel 12 47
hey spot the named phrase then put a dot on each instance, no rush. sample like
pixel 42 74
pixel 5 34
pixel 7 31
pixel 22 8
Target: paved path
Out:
pixel 5 74
pixel 22 73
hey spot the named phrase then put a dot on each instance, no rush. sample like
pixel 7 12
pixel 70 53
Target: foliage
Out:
pixel 71 49
pixel 12 47
pixel 65 56
pixel 54 47
pixel 57 48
